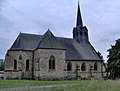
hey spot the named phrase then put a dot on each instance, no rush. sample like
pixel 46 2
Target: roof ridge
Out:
pixel 31 34
pixel 49 41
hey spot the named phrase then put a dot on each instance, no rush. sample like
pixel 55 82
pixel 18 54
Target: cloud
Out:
pixel 1 4
pixel 35 16
pixel 5 22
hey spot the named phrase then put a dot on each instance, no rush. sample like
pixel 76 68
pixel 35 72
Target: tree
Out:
pixel 1 65
pixel 113 61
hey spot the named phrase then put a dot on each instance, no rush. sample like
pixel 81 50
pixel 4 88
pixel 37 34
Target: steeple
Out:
pixel 79 17
pixel 80 32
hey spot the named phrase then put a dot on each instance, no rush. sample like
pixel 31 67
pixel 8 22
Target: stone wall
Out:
pixel 41 64
pixel 12 74
pixel 1 74
pixel 86 74
pixel 21 63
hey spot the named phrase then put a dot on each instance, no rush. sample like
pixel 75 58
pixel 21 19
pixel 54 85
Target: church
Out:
pixel 47 56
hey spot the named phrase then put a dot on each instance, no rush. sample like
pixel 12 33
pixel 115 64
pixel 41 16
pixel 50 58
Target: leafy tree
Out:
pixel 113 61
pixel 1 65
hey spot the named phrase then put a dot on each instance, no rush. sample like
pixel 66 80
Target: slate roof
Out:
pixel 50 41
pixel 74 50
pixel 26 42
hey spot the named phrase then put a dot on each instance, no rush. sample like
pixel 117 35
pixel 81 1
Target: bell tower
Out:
pixel 80 32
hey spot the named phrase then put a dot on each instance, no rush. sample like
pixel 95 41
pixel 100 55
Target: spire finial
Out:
pixel 79 18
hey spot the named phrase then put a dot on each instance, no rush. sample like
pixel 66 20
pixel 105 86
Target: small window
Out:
pixel 20 57
pixel 81 33
pixel 95 66
pixel 15 64
pixel 83 67
pixel 69 66
pixel 73 34
pixel 77 33
pixel 52 62
pixel 27 64
pixel 85 33
pixel 38 62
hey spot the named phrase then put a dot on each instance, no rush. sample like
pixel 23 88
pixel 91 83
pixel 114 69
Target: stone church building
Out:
pixel 50 57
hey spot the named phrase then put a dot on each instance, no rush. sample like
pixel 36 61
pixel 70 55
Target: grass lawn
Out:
pixel 13 83
pixel 82 85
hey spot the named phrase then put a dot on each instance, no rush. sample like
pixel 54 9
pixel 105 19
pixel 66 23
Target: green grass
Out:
pixel 82 85
pixel 94 85
pixel 13 83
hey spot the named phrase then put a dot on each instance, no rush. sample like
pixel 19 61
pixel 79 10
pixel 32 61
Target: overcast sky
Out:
pixel 102 18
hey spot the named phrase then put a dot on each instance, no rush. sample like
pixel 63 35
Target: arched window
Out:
pixel 69 66
pixel 27 64
pixel 81 33
pixel 73 34
pixel 15 64
pixel 83 67
pixel 77 33
pixel 85 33
pixel 20 57
pixel 52 62
pixel 95 66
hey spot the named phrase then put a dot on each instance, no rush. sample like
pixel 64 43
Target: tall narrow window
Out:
pixel 81 33
pixel 27 64
pixel 52 62
pixel 20 57
pixel 38 63
pixel 15 64
pixel 69 66
pixel 73 34
pixel 95 66
pixel 77 33
pixel 83 67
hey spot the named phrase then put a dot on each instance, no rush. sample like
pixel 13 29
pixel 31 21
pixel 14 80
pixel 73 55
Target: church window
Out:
pixel 95 66
pixel 81 33
pixel 38 63
pixel 86 33
pixel 73 34
pixel 52 62
pixel 20 57
pixel 15 64
pixel 27 64
pixel 83 67
pixel 69 66
pixel 77 33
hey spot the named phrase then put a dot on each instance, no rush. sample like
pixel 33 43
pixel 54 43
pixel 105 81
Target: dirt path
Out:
pixel 33 87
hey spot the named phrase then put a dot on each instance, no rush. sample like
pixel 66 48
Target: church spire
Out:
pixel 79 17
pixel 80 32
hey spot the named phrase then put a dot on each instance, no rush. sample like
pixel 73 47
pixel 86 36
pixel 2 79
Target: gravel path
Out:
pixel 33 87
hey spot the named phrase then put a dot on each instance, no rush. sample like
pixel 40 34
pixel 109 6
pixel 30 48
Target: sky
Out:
pixel 102 18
